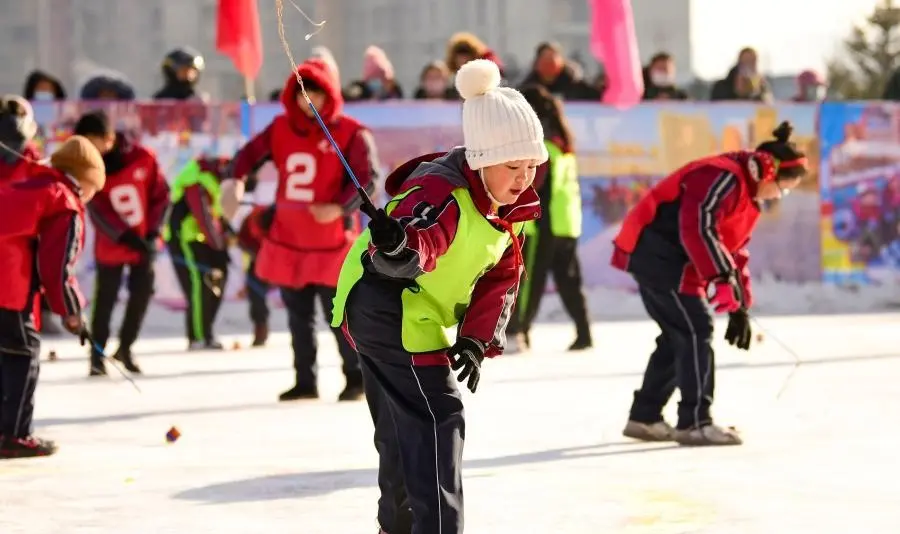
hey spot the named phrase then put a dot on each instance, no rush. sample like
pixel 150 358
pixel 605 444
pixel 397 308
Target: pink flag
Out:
pixel 614 43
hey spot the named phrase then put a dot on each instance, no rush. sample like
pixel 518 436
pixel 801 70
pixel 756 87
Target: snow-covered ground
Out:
pixel 543 450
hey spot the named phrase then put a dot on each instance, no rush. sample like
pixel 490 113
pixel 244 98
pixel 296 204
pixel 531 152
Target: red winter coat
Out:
pixel 42 233
pixel 19 168
pixel 299 251
pixel 134 198
pixel 693 227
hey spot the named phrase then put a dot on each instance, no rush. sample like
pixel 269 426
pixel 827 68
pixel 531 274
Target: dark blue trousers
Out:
pixel 20 348
pixel 419 420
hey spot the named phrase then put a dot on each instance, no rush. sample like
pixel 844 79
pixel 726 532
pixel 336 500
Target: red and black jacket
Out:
pixel 693 227
pixel 41 238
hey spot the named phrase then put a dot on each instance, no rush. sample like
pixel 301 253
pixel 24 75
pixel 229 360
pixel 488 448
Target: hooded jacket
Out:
pixel 299 250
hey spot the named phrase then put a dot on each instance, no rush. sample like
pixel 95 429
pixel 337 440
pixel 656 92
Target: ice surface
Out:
pixel 543 450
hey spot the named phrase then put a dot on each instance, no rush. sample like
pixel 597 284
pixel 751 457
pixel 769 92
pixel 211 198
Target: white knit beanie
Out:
pixel 498 123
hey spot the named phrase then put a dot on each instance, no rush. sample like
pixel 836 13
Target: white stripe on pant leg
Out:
pixel 31 376
pixel 437 473
pixel 700 385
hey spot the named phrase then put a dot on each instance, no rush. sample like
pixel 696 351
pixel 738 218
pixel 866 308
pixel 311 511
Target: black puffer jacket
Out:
pixel 569 85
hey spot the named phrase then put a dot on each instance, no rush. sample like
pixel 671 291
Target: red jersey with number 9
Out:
pixel 134 198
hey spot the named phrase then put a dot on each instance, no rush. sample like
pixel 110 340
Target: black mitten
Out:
pixel 130 239
pixel 466 356
pixel 387 233
pixel 738 333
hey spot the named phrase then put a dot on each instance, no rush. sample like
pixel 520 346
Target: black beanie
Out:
pixel 790 160
pixel 17 125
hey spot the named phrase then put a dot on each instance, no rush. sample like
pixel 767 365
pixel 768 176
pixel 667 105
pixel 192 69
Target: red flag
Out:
pixel 238 35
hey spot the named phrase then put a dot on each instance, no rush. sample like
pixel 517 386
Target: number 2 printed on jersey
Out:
pixel 301 169
pixel 126 200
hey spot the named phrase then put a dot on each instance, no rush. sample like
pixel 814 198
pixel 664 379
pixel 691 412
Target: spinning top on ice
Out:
pixel 759 337
pixel 236 345
pixel 52 356
pixel 172 435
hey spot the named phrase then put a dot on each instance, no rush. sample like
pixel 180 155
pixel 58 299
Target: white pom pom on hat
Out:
pixel 498 123
pixel 477 77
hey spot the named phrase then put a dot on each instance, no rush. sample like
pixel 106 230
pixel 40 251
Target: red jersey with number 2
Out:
pixel 299 250
pixel 134 198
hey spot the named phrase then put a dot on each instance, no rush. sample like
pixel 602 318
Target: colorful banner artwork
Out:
pixel 860 192
pixel 620 154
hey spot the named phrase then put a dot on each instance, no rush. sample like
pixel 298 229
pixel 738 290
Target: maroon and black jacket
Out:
pixel 430 215
pixel 693 227
pixel 41 238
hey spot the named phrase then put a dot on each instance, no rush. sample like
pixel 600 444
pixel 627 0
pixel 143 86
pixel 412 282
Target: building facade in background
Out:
pixel 73 39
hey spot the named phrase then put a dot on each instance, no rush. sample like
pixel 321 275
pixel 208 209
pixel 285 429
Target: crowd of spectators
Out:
pixel 561 75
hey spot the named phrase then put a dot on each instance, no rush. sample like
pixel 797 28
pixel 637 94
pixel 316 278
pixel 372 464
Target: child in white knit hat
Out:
pixel 445 252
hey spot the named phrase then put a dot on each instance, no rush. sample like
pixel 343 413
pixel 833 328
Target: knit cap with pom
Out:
pixel 792 162
pixel 498 123
pixel 80 159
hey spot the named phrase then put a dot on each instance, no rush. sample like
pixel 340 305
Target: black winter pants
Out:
pixel 202 274
pixel 301 308
pixel 546 254
pixel 20 347
pixel 256 294
pixel 419 425
pixel 683 358
pixel 106 292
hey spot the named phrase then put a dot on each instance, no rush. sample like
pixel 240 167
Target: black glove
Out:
pixel 222 259
pixel 130 239
pixel 467 354
pixel 80 329
pixel 386 233
pixel 150 247
pixel 84 337
pixel 738 333
pixel 266 218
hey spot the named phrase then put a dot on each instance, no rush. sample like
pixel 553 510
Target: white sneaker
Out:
pixel 515 344
pixel 659 431
pixel 708 435
pixel 202 345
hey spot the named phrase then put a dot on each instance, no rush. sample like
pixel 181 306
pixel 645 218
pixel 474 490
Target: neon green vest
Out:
pixel 565 195
pixel 189 176
pixel 444 294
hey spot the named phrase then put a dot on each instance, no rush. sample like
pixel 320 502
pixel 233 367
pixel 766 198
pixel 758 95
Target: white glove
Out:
pixel 231 192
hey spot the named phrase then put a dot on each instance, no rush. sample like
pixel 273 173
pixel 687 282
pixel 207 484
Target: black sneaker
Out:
pixel 581 344
pixel 354 389
pixel 260 335
pixel 124 355
pixel 352 392
pixel 299 393
pixel 98 368
pixel 29 447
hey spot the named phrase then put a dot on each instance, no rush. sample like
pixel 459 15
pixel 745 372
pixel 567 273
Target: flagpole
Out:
pixel 249 90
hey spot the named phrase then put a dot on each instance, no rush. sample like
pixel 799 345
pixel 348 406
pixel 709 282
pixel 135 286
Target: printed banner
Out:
pixel 177 133
pixel 620 155
pixel 860 192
